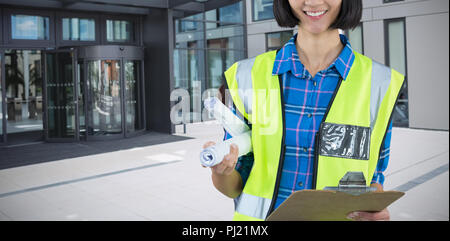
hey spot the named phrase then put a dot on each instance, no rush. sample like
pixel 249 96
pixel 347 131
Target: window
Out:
pixel 277 40
pixel 395 43
pixel 28 27
pixel 228 15
pixel 207 44
pixel 78 29
pixel 119 31
pixel 262 10
pixel 231 14
pixel 187 26
pixel 356 38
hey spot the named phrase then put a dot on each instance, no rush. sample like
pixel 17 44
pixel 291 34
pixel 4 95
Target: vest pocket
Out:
pixel 345 141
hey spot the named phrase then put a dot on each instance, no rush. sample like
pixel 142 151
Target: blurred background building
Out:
pixel 105 69
pixel 411 36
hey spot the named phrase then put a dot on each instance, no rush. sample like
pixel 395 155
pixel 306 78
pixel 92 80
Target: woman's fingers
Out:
pixel 234 150
pixel 370 216
pixel 229 161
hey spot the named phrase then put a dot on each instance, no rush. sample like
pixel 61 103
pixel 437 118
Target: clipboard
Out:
pixel 333 204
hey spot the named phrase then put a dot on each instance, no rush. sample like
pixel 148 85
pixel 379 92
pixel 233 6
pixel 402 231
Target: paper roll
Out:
pixel 226 117
pixel 214 155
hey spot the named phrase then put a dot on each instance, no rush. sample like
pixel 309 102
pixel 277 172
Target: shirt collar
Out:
pixel 287 60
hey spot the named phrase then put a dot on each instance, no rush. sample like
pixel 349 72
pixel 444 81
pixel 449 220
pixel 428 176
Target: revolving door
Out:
pixel 95 94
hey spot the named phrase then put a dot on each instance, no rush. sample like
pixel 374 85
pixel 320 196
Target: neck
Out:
pixel 318 51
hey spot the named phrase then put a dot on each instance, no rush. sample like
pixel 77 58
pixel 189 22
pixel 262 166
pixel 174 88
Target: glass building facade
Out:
pixel 206 45
pixel 76 70
pixel 57 93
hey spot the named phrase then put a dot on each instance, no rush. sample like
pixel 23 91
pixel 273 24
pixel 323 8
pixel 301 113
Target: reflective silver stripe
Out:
pixel 381 78
pixel 244 82
pixel 252 206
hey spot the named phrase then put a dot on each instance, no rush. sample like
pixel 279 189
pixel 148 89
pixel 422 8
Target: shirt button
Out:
pixel 309 115
pixel 305 149
pixel 315 83
pixel 300 184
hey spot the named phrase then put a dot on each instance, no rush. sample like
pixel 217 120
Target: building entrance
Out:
pixel 82 93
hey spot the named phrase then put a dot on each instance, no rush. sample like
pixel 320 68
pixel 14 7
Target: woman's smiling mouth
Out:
pixel 315 15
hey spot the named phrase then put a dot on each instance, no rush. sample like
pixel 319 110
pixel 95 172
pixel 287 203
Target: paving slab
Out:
pixel 158 177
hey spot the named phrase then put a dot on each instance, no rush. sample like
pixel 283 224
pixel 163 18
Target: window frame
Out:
pixel 386 23
pixel 392 1
pixel 59 29
pixel 9 41
pixel 253 13
pixel 267 38
pixel 135 20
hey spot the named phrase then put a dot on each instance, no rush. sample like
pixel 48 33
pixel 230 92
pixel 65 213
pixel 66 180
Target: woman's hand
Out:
pixel 225 178
pixel 383 215
pixel 226 167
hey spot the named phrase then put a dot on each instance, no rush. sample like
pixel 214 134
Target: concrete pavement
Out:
pixel 146 179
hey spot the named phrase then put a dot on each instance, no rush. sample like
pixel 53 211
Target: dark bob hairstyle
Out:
pixel 348 18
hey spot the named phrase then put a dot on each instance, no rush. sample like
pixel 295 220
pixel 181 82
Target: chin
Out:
pixel 316 29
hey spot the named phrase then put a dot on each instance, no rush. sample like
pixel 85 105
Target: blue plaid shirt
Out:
pixel 306 99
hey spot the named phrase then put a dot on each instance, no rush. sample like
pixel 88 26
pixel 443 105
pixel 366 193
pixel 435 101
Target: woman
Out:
pixel 317 110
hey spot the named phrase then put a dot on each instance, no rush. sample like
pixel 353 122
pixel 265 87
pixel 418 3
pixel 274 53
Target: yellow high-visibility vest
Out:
pixel 349 139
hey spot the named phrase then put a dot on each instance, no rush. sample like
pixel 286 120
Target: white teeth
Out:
pixel 315 14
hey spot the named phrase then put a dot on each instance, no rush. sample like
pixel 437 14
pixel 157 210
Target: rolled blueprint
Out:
pixel 226 117
pixel 213 155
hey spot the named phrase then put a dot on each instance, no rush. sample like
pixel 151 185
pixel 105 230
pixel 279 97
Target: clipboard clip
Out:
pixel 352 183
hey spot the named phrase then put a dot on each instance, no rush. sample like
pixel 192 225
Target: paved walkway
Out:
pixel 158 177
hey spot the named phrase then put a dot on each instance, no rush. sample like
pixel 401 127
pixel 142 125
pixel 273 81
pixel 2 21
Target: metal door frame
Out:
pixel 101 52
pixel 73 52
pixel 87 97
pixel 141 90
pixel 4 140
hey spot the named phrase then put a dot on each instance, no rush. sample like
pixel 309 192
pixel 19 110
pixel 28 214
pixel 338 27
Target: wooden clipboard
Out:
pixel 325 205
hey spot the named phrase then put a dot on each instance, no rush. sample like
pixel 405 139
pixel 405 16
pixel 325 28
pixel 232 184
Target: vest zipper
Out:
pixel 283 150
pixel 316 141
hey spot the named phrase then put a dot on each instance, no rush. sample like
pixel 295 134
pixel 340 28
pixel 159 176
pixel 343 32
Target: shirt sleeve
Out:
pixel 378 176
pixel 245 163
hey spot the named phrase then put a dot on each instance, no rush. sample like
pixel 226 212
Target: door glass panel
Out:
pixel 104 104
pixel 61 108
pixel 23 90
pixel 133 97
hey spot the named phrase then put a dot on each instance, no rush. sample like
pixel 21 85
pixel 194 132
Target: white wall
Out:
pixel 428 73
